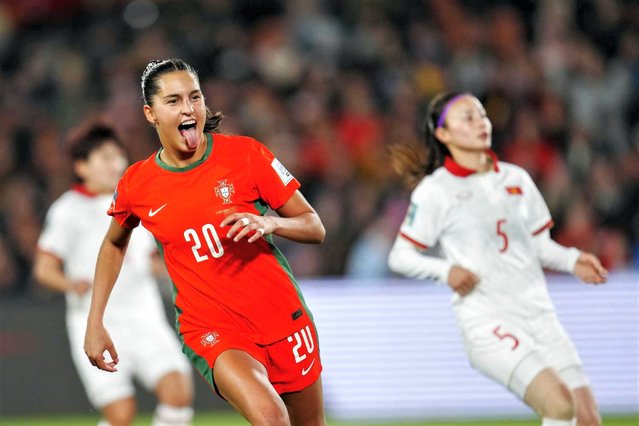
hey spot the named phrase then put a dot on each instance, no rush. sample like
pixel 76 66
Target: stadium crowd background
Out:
pixel 328 86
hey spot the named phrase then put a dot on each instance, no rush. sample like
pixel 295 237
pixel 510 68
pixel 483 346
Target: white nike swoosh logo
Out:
pixel 154 212
pixel 306 370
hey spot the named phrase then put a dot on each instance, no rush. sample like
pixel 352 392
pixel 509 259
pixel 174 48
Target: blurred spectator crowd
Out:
pixel 328 85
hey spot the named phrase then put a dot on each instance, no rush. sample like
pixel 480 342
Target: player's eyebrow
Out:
pixel 177 95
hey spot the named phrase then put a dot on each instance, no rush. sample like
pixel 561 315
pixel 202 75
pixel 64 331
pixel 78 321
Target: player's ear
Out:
pixel 150 116
pixel 80 169
pixel 442 134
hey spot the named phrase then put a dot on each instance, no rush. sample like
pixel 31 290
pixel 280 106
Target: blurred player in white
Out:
pixel 65 261
pixel 491 226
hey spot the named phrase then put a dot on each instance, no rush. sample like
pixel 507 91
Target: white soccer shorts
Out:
pixel 148 350
pixel 512 351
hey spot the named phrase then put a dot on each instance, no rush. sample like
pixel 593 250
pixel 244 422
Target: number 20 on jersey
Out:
pixel 212 242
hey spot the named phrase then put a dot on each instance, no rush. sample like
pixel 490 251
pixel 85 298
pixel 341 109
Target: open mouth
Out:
pixel 188 130
pixel 186 126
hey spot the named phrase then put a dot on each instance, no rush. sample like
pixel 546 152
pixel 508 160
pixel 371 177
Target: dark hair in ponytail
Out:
pixel 156 69
pixel 411 161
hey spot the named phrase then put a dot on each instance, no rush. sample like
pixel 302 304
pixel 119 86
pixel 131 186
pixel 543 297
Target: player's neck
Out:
pixel 473 160
pixel 180 159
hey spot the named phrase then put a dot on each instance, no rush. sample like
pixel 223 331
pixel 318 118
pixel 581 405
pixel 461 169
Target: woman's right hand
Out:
pixel 462 280
pixel 96 342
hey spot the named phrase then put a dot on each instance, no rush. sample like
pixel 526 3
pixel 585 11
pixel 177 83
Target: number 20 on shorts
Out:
pixel 304 338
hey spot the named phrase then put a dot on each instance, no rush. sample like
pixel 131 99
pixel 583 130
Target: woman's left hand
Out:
pixel 247 224
pixel 589 269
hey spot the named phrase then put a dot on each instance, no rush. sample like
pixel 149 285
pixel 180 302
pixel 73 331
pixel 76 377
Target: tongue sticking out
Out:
pixel 192 137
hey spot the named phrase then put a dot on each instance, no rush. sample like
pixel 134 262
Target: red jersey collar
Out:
pixel 461 171
pixel 78 187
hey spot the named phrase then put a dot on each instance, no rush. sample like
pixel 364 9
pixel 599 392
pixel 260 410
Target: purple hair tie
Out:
pixel 442 116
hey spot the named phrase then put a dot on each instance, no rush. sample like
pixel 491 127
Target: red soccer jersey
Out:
pixel 218 283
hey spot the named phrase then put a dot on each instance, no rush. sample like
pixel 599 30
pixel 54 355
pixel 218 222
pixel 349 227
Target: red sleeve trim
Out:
pixel 417 243
pixel 548 225
pixel 288 192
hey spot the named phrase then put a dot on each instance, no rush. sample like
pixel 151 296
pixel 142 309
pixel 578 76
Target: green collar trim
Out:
pixel 207 153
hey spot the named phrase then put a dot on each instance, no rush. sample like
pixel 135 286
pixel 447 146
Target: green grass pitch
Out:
pixel 230 419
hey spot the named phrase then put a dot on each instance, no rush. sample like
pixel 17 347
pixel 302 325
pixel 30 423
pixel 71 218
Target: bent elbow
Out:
pixel 39 271
pixel 38 275
pixel 320 234
pixel 317 232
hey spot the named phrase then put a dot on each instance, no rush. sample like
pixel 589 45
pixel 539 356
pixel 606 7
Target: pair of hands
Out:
pixel 588 269
pixel 97 339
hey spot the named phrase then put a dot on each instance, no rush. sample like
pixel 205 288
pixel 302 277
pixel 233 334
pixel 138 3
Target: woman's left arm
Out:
pixel 297 221
pixel 583 265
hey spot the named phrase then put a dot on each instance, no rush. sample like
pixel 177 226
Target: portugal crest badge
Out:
pixel 209 338
pixel 224 190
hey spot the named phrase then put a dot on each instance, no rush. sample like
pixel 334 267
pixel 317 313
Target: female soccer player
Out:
pixel 492 227
pixel 239 313
pixel 67 249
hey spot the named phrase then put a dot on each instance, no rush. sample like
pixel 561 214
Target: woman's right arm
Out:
pixel 406 260
pixel 48 271
pixel 107 269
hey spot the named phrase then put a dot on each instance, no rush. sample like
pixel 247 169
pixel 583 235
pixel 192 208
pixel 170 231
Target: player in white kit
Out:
pixel 65 261
pixel 491 226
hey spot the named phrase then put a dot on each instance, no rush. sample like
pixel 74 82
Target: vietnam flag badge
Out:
pixel 514 190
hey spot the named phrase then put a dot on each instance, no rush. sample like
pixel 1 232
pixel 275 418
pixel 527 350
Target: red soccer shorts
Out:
pixel 292 363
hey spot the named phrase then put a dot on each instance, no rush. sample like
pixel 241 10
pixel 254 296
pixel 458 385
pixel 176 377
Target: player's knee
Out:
pixel 182 398
pixel 559 403
pixel 119 413
pixel 268 413
pixel 119 419
pixel 175 390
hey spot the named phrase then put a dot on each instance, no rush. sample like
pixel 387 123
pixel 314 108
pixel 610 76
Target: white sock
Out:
pixel 558 422
pixel 167 415
pixel 103 422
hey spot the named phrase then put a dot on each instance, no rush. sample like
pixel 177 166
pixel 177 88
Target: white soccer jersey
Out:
pixel 147 346
pixel 486 223
pixel 73 231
